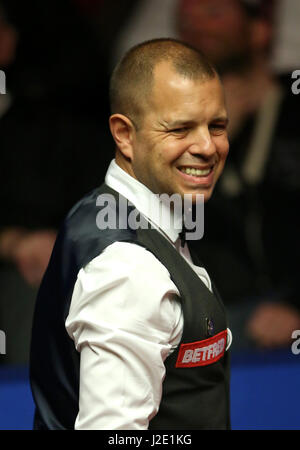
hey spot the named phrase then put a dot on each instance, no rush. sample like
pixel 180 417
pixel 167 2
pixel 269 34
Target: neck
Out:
pixel 124 163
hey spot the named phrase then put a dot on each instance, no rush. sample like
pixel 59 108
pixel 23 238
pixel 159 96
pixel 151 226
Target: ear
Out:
pixel 122 130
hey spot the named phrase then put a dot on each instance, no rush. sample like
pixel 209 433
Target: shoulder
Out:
pixel 80 236
pixel 129 258
pixel 128 270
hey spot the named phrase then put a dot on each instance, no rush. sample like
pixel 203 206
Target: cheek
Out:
pixel 222 150
pixel 172 151
pixel 222 145
pixel 225 153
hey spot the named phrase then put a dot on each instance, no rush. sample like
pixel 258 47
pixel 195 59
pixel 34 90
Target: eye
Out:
pixel 179 130
pixel 218 128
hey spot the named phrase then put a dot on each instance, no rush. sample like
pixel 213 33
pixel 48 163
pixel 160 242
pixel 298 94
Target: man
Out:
pixel 253 250
pixel 129 333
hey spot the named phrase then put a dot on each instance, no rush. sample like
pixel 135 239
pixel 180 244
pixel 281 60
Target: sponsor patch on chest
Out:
pixel 202 353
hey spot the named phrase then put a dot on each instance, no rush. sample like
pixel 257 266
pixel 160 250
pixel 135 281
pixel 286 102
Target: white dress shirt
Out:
pixel 125 318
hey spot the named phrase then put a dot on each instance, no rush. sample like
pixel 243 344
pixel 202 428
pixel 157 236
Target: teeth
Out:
pixel 195 172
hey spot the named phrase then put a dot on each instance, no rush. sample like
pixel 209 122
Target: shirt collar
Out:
pixel 145 201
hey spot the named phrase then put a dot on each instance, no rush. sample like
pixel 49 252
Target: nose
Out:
pixel 202 144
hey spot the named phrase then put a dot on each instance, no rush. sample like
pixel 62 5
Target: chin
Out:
pixel 206 193
pixel 207 196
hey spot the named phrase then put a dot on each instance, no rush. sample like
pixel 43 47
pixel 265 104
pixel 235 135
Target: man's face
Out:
pixel 182 144
pixel 219 28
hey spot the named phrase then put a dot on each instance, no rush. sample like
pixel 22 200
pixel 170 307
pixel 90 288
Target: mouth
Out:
pixel 195 171
pixel 199 175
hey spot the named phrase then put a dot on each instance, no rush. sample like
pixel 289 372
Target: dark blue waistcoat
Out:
pixel 194 396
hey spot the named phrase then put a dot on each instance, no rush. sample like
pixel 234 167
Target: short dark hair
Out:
pixel 132 78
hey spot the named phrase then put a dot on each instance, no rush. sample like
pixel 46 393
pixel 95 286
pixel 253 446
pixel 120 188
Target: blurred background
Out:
pixel 55 146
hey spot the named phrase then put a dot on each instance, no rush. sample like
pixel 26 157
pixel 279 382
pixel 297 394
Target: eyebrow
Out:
pixel 181 122
pixel 221 119
pixel 177 123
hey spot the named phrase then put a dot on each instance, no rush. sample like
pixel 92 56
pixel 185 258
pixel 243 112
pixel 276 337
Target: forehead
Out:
pixel 175 97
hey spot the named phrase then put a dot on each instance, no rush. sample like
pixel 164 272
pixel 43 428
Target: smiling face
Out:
pixel 182 144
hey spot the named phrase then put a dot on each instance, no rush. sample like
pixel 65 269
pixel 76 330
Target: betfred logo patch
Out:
pixel 202 353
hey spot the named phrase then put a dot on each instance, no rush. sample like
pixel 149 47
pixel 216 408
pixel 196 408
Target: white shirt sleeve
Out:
pixel 125 318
